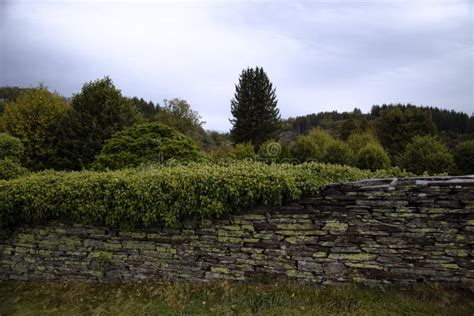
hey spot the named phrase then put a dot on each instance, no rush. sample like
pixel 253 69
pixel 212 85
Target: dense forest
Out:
pixel 455 125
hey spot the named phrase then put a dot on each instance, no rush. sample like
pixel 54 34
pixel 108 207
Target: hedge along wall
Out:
pixel 398 231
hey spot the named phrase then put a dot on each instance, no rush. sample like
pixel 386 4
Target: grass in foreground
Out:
pixel 55 298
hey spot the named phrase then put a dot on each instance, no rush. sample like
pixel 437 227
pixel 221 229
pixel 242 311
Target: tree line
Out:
pixel 99 128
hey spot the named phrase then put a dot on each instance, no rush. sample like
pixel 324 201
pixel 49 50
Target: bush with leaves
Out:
pixel 338 152
pixel 32 118
pixel 427 154
pixel 311 147
pixel 373 157
pixel 164 194
pixel 11 153
pixel 146 143
pixel 303 149
pixel 243 151
pixel 11 169
pixel 464 157
pixel 321 138
pixel 270 151
pixel 357 141
pixel 11 147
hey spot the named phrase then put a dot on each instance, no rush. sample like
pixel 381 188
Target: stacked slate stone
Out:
pixel 398 231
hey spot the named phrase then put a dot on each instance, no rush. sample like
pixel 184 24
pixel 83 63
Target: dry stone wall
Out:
pixel 398 231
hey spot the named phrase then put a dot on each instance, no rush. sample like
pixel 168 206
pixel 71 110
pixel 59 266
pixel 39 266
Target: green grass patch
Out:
pixel 164 194
pixel 55 298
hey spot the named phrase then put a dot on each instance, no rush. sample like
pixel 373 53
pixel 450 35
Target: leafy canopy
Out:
pixel 98 112
pixel 11 169
pixel 427 154
pixel 396 126
pixel 314 145
pixel 177 113
pixel 373 157
pixel 464 157
pixel 338 152
pixel 146 143
pixel 242 151
pixel 32 118
pixel 11 147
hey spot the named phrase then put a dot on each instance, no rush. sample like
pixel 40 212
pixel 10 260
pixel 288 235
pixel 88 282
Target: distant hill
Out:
pixel 450 125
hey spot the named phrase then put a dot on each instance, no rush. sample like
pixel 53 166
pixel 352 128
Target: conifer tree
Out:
pixel 254 108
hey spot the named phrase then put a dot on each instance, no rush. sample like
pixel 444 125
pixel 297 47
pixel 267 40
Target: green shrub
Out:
pixel 217 154
pixel 10 169
pixel 145 143
pixel 132 197
pixel 11 147
pixel 373 157
pixel 338 152
pixel 464 157
pixel 321 138
pixel 243 151
pixel 270 151
pixel 357 141
pixel 304 149
pixel 427 154
pixel 312 147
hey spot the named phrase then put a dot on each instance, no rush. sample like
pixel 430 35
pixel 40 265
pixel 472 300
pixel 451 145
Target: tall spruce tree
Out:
pixel 254 107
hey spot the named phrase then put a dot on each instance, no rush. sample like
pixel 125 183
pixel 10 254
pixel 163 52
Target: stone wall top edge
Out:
pixel 417 181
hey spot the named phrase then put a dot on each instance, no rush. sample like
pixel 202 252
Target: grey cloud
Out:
pixel 320 55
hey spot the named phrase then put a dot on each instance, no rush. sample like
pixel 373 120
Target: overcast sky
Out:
pixel 320 55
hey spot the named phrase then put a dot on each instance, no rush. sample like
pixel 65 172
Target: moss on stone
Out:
pixel 335 226
pixel 252 217
pixel 8 251
pixel 97 254
pixel 301 240
pixel 71 242
pixel 258 256
pixel 363 265
pixel 220 270
pixel 251 240
pixel 233 227
pixel 232 233
pixel 26 238
pixel 299 274
pixel 112 246
pixel 138 235
pixel 352 256
pixel 297 227
pixel 457 252
pixel 301 233
pixel 231 240
pixel 450 266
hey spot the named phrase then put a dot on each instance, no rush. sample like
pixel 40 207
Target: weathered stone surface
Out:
pixel 372 231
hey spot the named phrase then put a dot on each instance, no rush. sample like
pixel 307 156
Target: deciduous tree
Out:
pixel 32 118
pixel 97 112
